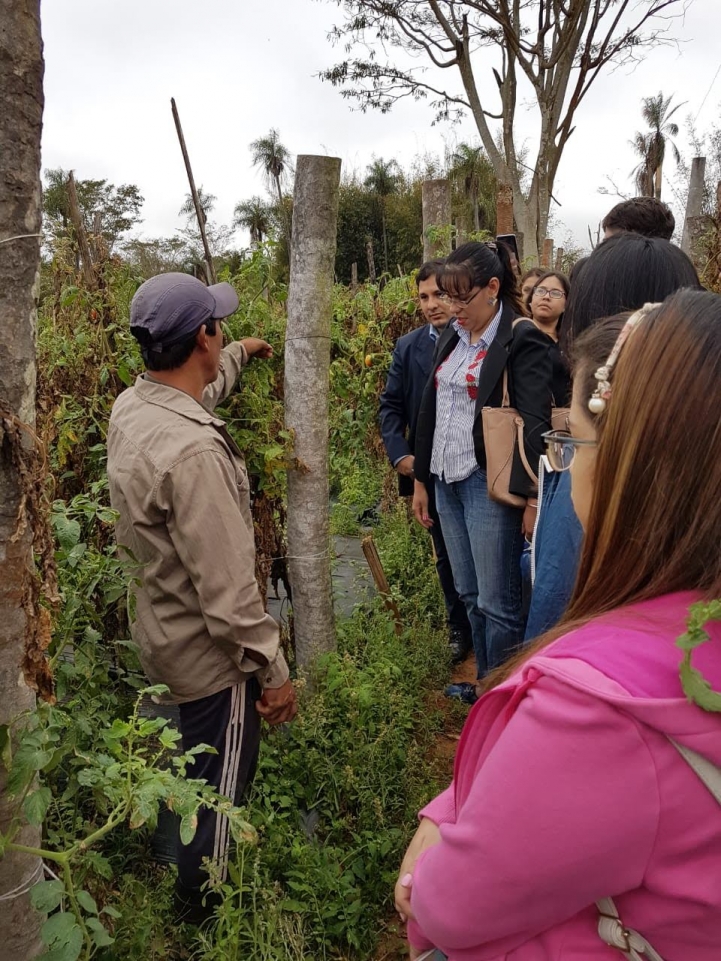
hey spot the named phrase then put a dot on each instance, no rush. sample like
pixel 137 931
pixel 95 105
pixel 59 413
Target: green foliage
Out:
pixel 118 207
pixel 387 195
pixel 337 791
pixel 122 778
pixel 254 215
pixel 474 181
pixel 695 685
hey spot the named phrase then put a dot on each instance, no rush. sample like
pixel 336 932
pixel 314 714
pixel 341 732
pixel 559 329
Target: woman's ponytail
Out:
pixel 509 292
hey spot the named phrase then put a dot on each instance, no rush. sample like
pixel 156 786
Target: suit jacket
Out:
pixel 525 350
pixel 410 368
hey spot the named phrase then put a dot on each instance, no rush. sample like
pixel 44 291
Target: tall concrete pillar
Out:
pixel 504 209
pixel 547 254
pixel 694 205
pixel 436 199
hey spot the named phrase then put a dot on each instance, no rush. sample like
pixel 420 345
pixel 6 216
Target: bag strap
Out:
pixel 630 943
pixel 706 771
pixel 506 402
pixel 506 398
pixel 522 450
pixel 611 929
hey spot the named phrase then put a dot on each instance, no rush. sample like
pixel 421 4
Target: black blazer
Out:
pixel 526 352
pixel 410 369
pixel 561 377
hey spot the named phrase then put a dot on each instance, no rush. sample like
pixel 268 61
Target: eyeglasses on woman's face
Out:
pixel 561 448
pixel 553 293
pixel 447 299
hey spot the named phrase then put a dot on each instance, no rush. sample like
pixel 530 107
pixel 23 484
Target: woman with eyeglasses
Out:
pixel 584 818
pixel 484 538
pixel 528 282
pixel 546 302
pixel 623 273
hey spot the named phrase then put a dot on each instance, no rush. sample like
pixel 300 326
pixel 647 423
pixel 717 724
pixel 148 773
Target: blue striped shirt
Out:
pixel 454 457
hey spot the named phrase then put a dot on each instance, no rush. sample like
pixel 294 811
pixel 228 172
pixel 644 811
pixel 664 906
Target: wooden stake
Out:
pixel 194 193
pixel 381 581
pixel 371 261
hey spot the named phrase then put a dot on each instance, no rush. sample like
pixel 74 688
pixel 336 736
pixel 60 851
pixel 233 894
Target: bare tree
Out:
pixel 307 363
pixel 21 80
pixel 559 47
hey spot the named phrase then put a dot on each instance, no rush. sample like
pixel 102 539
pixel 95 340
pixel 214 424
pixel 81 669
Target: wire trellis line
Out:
pixel 9 240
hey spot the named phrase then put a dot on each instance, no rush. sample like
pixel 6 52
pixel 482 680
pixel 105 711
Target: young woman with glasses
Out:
pixel 484 538
pixel 584 818
pixel 546 302
pixel 528 282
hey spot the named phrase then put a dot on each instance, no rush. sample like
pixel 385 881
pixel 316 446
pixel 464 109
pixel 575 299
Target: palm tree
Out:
pixel 473 172
pixel 651 146
pixel 254 216
pixel 383 178
pixel 276 162
pixel 207 203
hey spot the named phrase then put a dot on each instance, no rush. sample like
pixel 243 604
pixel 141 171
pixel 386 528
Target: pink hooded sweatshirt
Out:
pixel 567 790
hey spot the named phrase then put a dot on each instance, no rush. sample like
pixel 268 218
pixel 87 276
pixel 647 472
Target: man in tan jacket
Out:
pixel 179 484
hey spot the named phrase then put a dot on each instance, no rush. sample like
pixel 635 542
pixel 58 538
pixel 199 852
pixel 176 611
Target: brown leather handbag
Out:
pixel 502 434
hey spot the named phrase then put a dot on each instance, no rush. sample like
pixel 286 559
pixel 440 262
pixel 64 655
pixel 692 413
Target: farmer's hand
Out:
pixel 425 837
pixel 420 505
pixel 255 347
pixel 405 465
pixel 278 704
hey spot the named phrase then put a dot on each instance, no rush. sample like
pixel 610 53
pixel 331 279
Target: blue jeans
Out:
pixel 557 549
pixel 456 616
pixel 484 543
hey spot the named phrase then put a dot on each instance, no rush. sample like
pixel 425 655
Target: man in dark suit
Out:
pixel 410 368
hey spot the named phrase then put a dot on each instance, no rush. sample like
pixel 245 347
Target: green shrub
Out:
pixel 337 792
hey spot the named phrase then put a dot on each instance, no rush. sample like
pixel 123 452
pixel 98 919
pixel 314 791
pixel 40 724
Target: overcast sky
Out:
pixel 238 67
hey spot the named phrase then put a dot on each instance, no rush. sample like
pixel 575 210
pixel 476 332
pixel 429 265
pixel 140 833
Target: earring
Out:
pixel 602 393
pixel 491 301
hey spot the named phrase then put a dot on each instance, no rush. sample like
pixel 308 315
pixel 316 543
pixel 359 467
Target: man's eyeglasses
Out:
pixel 561 448
pixel 447 299
pixel 553 294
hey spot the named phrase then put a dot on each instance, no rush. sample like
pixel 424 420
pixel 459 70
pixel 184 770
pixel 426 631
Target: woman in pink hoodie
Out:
pixel 570 786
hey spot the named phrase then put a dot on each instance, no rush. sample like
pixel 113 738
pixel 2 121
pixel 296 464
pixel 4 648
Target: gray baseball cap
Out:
pixel 171 307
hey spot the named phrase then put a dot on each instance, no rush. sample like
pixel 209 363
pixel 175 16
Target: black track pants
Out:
pixel 229 722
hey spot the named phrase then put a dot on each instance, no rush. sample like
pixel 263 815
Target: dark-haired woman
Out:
pixel 623 273
pixel 584 818
pixel 546 302
pixel 484 537
pixel 528 282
